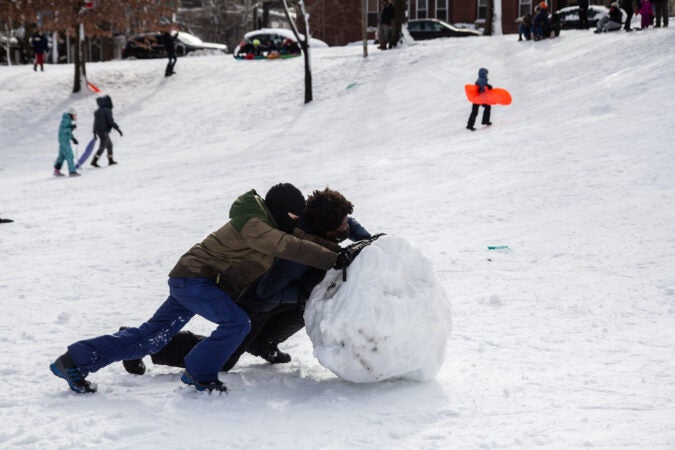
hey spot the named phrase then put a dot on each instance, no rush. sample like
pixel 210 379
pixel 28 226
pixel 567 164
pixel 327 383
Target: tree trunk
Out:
pixel 364 20
pixel 80 66
pixel 304 44
pixel 489 17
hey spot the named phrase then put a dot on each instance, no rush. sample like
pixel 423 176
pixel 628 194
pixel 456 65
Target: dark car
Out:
pixel 151 45
pixel 423 29
pixel 569 17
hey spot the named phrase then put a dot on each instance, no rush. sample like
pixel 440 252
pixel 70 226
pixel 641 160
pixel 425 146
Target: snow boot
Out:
pixel 64 367
pixel 94 162
pixel 73 174
pixel 57 173
pixel 111 161
pixel 271 354
pixel 470 127
pixel 133 366
pixel 210 386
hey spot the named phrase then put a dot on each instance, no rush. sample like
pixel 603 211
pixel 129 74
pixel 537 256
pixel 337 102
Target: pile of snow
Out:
pixel 390 319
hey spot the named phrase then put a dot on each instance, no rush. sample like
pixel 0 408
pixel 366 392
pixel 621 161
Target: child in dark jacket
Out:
pixel 482 83
pixel 103 125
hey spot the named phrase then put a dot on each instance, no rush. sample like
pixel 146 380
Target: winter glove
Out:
pixel 344 259
pixel 120 132
pixel 75 141
pixel 73 126
pixel 489 86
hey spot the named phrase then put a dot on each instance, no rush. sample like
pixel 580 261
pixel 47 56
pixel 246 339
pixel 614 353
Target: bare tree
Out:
pixel 301 14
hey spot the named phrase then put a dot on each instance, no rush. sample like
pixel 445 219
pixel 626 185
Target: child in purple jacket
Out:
pixel 646 12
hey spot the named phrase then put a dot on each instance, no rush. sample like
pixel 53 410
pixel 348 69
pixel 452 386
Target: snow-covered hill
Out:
pixel 566 340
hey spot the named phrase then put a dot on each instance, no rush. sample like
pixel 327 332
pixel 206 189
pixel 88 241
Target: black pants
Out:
pixel 583 17
pixel 474 113
pixel 104 144
pixel 170 64
pixel 273 326
pixel 629 17
pixel 661 12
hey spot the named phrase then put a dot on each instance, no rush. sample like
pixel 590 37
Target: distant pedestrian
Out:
pixel 482 83
pixel 524 27
pixel 646 12
pixel 65 150
pixel 169 40
pixel 661 12
pixel 612 21
pixel 40 45
pixel 103 125
pixel 384 30
pixel 583 14
pixel 627 6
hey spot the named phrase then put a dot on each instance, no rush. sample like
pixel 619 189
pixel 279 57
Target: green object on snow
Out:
pixel 498 247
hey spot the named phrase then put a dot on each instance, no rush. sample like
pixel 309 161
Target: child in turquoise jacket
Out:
pixel 65 151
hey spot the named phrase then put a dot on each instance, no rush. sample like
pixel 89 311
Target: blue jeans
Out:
pixel 187 297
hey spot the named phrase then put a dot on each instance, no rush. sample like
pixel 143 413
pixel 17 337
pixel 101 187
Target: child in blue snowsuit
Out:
pixel 482 83
pixel 65 151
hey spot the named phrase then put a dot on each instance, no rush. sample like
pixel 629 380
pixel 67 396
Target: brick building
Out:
pixel 338 22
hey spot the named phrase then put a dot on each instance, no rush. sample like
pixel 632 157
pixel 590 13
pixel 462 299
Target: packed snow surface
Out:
pixel 389 319
pixel 565 341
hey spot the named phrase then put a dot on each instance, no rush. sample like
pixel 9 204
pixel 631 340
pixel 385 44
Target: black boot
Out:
pixel 111 161
pixel 94 162
pixel 271 353
pixel 133 366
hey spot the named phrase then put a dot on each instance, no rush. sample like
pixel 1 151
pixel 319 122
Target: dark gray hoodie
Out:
pixel 103 118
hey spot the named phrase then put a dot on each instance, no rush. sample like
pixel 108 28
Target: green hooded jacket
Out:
pixel 241 251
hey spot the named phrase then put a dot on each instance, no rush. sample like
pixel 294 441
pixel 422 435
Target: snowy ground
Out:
pixel 565 341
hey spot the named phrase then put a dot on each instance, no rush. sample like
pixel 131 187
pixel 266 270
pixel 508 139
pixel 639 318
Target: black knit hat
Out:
pixel 282 199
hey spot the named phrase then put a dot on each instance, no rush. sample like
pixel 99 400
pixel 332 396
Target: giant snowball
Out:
pixel 390 319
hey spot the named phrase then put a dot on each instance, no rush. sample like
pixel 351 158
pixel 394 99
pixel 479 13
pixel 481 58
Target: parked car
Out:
pixel 423 29
pixel 569 17
pixel 151 45
pixel 276 36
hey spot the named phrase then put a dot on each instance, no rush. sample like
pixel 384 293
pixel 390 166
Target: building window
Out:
pixel 422 9
pixel 482 9
pixel 442 10
pixel 373 11
pixel 525 7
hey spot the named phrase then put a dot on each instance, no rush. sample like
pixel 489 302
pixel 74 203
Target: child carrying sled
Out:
pixel 482 83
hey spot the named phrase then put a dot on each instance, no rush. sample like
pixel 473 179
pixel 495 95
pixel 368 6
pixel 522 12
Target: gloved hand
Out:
pixel 120 132
pixel 73 126
pixel 75 141
pixel 489 86
pixel 344 259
